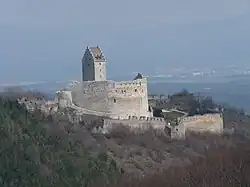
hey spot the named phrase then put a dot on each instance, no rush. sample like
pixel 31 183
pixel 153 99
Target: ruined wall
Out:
pixel 142 124
pixel 131 98
pixel 92 95
pixel 135 124
pixel 64 98
pixel 203 123
pixel 123 99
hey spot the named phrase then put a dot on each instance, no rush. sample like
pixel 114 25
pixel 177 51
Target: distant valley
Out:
pixel 232 90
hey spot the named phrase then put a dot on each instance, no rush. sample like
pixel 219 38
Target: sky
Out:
pixel 45 40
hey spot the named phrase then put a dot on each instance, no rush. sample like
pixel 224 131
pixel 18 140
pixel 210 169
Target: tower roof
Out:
pixel 138 76
pixel 96 53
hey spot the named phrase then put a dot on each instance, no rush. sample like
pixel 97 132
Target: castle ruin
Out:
pixel 119 103
pixel 117 100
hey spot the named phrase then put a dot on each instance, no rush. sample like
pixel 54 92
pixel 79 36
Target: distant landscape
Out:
pixel 235 93
pixel 233 90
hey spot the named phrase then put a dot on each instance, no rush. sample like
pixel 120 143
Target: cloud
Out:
pixel 63 12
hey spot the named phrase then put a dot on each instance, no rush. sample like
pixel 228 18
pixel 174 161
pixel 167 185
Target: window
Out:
pixel 135 90
pixel 100 63
pixel 114 100
pixel 88 65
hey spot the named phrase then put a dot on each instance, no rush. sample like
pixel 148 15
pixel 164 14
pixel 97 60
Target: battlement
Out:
pixel 139 124
pixel 203 123
pixel 127 84
pixel 202 118
pixel 144 118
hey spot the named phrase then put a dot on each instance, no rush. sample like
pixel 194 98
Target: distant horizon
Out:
pixel 45 40
pixel 151 79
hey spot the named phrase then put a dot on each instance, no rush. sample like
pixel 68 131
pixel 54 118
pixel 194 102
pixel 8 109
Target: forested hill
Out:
pixel 50 151
pixel 34 152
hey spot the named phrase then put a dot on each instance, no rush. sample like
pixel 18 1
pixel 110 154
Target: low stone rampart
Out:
pixel 203 123
pixel 141 124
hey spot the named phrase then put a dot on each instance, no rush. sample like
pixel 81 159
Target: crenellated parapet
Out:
pixel 203 123
pixel 144 118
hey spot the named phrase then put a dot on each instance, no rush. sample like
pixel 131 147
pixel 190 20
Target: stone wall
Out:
pixel 135 124
pixel 122 99
pixel 64 98
pixel 142 124
pixel 203 123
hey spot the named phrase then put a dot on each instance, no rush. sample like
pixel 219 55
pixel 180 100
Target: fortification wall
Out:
pixel 131 98
pixel 64 98
pixel 140 124
pixel 203 123
pixel 121 99
pixel 92 95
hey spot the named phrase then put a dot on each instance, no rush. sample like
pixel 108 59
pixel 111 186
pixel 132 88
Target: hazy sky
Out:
pixel 45 39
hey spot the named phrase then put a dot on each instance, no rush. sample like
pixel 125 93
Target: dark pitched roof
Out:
pixel 96 53
pixel 138 76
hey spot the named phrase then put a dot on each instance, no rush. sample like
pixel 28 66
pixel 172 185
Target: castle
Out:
pixel 119 103
pixel 96 94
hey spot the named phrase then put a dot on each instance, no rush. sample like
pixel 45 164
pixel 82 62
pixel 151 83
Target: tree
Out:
pixel 32 154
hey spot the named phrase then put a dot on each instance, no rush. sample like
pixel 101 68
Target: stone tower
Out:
pixel 93 65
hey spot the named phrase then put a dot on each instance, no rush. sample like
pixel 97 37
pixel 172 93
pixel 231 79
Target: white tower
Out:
pixel 93 65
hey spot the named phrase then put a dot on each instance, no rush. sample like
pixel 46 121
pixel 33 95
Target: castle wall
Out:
pixel 203 123
pixel 64 98
pixel 131 98
pixel 135 124
pixel 128 98
pixel 92 95
pixel 142 124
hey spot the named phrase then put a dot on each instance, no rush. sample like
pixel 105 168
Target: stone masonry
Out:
pixel 118 103
pixel 118 100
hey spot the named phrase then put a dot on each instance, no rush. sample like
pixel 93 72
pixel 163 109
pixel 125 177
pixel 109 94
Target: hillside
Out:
pixel 50 151
pixel 38 151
